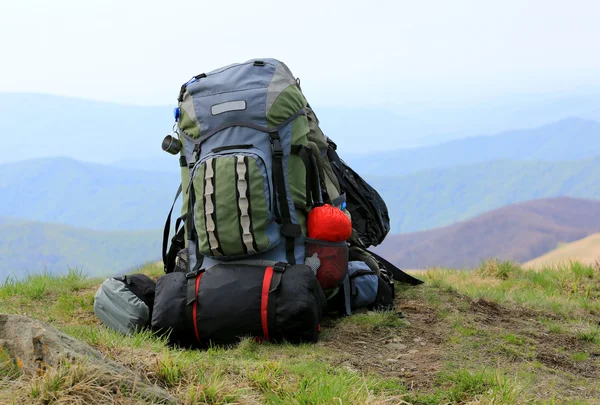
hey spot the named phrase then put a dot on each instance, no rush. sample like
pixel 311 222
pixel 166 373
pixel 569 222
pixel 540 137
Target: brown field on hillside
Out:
pixel 586 250
pixel 518 232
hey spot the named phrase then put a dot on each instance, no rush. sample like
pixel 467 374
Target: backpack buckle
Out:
pixel 280 267
pixel 276 148
pixel 193 274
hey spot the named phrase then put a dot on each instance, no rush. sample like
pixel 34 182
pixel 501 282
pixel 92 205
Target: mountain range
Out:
pixel 102 204
pixel 31 247
pixel 428 200
pixel 568 139
pixel 102 197
pixel 40 125
pixel 519 232
pixel 86 195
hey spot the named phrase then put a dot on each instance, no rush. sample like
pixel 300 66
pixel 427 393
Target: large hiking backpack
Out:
pixel 254 163
pixel 247 168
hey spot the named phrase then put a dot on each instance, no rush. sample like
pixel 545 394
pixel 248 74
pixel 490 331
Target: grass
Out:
pixel 568 289
pixel 495 335
pixel 590 335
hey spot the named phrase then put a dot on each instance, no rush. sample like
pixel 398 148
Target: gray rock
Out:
pixel 35 346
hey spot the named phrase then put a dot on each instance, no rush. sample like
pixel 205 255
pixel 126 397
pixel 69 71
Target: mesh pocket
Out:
pixel 333 258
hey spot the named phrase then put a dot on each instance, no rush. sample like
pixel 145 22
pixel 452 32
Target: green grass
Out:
pixel 568 289
pixel 590 335
pixel 580 356
pixel 475 337
pixel 373 321
pixel 514 340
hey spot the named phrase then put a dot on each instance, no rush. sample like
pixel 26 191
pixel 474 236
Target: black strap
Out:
pixel 346 290
pixel 313 192
pixel 398 274
pixel 189 300
pixel 167 229
pixel 177 243
pixel 288 229
pixel 192 234
pixel 278 270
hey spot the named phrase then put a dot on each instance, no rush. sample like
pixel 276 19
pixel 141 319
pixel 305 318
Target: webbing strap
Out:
pixel 193 285
pixel 288 229
pixel 313 191
pixel 242 179
pixel 196 257
pixel 167 229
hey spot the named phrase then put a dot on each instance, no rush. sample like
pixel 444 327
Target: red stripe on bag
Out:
pixel 264 302
pixel 194 306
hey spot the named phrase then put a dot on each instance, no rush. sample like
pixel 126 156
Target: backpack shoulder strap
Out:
pixel 167 229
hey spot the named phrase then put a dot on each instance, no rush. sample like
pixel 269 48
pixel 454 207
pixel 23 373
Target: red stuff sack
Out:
pixel 329 223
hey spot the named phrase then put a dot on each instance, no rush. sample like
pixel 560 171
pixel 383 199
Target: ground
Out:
pixel 495 335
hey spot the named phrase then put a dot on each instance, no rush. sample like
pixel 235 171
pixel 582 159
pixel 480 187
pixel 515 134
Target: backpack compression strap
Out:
pixel 398 274
pixel 288 229
pixel 167 230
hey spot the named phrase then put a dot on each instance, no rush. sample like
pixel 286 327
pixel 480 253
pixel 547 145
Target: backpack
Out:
pixel 254 163
pixel 249 176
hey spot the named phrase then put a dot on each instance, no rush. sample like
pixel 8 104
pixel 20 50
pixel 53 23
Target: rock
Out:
pixel 35 346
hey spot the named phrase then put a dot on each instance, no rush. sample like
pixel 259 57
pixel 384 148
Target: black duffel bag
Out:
pixel 260 299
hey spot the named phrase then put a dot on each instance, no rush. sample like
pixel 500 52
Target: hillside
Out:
pixel 27 246
pixel 517 232
pixel 104 197
pixel 498 335
pixel 569 139
pixel 131 135
pixel 440 197
pixel 86 195
pixel 586 250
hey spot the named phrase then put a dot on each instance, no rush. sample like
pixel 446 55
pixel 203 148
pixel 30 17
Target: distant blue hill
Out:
pixel 33 247
pixel 569 139
pixel 86 195
pixel 435 198
pixel 107 198
pixel 38 125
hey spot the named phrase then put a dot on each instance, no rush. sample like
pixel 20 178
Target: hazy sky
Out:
pixel 344 51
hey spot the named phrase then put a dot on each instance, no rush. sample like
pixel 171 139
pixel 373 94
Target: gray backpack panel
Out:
pixel 119 308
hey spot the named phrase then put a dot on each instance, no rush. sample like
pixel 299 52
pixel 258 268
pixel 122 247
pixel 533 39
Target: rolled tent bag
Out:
pixel 125 303
pixel 228 301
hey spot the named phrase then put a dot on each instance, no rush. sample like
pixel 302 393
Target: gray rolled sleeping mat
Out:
pixel 120 308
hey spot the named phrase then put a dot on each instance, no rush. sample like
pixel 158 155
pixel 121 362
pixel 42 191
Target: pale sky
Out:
pixel 345 52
